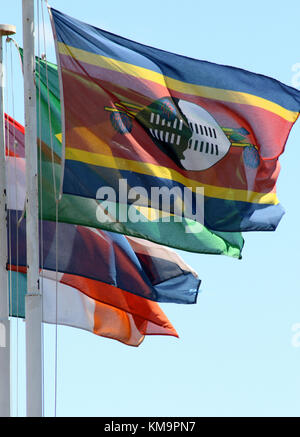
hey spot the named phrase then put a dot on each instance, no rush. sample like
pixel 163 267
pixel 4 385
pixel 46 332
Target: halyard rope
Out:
pixel 57 199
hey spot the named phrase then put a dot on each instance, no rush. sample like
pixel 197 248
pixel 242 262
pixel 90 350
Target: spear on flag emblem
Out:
pixel 193 136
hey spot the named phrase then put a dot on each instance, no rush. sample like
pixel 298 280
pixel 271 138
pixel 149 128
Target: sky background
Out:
pixel 239 347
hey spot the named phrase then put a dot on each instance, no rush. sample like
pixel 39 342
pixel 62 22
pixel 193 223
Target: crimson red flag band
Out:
pixel 157 118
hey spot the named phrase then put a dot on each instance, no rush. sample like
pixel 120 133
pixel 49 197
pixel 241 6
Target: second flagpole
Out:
pixel 33 299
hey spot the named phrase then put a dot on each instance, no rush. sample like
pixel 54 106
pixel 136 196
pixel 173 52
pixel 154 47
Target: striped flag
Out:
pixel 66 305
pixel 158 119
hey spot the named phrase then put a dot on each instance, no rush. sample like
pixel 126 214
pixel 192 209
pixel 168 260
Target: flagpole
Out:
pixel 5 30
pixel 33 299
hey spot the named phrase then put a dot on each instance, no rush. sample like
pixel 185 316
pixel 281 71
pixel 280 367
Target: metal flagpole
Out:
pixel 5 29
pixel 33 299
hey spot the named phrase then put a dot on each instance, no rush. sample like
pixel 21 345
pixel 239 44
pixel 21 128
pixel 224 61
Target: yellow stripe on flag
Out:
pixel 98 159
pixel 176 85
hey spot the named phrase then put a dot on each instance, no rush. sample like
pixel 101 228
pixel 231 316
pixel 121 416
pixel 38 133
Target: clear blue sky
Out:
pixel 235 355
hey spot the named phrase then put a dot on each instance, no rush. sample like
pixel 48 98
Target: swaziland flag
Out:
pixel 160 120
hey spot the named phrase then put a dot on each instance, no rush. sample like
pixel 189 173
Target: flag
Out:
pixel 66 305
pixel 83 211
pixel 158 119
